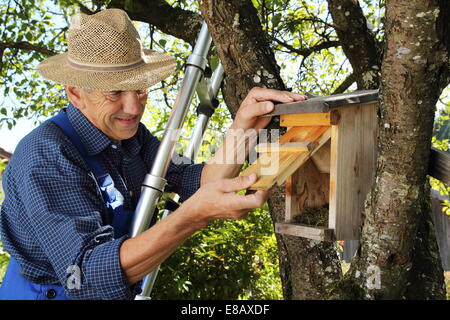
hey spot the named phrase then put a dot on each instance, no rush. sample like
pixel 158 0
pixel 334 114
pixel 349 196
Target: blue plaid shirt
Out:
pixel 53 217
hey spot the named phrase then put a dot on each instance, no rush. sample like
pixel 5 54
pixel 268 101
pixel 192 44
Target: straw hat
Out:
pixel 105 53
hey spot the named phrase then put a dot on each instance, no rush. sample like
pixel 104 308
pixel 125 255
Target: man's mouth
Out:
pixel 128 120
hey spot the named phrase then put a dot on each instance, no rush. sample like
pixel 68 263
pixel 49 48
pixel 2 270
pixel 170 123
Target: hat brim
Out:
pixel 158 66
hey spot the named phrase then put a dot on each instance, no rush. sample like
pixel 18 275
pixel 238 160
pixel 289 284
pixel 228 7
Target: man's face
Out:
pixel 115 113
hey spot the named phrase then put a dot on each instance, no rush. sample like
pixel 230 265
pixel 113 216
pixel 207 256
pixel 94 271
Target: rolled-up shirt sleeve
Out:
pixel 66 213
pixel 183 175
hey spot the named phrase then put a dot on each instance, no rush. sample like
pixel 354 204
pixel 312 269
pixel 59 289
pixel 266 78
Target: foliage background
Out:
pixel 228 259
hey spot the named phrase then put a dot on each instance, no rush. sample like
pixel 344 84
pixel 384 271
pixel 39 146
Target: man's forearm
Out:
pixel 142 254
pixel 229 158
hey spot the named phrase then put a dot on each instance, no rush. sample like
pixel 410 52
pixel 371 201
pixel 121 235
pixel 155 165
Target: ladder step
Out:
pixel 305 231
pixel 284 147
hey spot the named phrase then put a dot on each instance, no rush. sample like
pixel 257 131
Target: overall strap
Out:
pixel 62 121
pixel 120 218
pixel 15 286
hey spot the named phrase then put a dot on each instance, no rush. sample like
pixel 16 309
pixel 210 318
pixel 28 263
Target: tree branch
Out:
pixel 345 84
pixel 5 154
pixel 243 49
pixel 183 24
pixel 443 31
pixel 308 51
pixel 1 60
pixel 358 42
pixel 25 46
pixel 83 8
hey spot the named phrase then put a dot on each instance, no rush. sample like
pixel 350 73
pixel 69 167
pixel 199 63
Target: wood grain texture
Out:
pixel 305 119
pixel 277 167
pixel 284 147
pixel 322 158
pixel 353 158
pixel 307 187
pixel 302 158
pixel 305 231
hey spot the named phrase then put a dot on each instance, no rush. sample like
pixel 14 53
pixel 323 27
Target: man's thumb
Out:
pixel 239 183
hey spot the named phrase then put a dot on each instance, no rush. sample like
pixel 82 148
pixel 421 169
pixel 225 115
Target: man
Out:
pixel 74 182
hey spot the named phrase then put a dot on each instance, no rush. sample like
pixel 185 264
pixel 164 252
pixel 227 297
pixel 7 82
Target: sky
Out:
pixel 10 138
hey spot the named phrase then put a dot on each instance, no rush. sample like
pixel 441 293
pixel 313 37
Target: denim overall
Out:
pixel 15 286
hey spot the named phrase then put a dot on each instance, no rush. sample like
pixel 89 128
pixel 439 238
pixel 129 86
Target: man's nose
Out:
pixel 131 103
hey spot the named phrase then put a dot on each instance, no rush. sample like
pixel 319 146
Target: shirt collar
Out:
pixel 132 145
pixel 94 140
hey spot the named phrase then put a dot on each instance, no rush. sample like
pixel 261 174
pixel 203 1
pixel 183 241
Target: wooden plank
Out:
pixel 439 165
pixel 284 147
pixel 302 134
pixel 353 158
pixel 326 104
pixel 277 167
pixel 306 188
pixel 305 119
pixel 291 199
pixel 301 230
pixel 442 228
pixel 302 158
pixel 310 119
pixel 267 163
pixel 322 158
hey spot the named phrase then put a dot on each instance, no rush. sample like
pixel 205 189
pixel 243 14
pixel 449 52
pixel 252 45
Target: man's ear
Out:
pixel 74 95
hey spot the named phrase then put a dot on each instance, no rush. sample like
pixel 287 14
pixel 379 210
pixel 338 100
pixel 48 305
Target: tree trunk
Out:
pixel 308 267
pixel 397 215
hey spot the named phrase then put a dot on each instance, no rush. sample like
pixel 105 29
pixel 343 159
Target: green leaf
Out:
pixel 128 5
pixel 276 20
pixel 162 42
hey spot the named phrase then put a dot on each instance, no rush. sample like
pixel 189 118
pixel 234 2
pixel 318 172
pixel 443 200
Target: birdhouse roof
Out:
pixel 327 103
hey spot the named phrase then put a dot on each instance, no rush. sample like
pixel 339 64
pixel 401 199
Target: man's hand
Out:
pixel 219 200
pixel 258 102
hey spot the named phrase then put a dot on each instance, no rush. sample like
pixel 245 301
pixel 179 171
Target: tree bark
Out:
pixel 358 42
pixel 308 268
pixel 397 211
pixel 242 48
pixel 183 24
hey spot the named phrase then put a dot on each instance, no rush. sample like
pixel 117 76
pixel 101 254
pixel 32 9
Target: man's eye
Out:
pixel 115 93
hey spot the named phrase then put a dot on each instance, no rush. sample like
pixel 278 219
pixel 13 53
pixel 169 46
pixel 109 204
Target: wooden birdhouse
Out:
pixel 327 159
